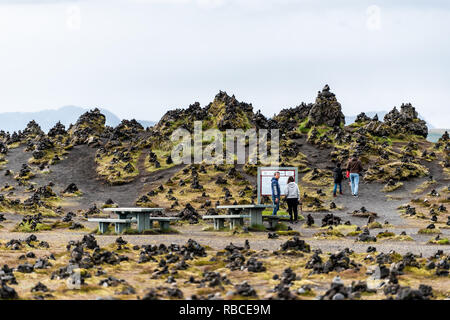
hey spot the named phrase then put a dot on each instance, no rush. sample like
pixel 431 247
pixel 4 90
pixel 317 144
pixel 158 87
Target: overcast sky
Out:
pixel 140 58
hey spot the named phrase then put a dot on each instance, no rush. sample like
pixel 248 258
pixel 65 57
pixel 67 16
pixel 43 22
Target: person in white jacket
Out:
pixel 292 194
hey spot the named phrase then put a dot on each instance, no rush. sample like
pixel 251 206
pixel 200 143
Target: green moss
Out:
pixel 74 194
pixel 419 271
pixel 329 233
pixel 288 233
pixel 385 234
pixel 203 262
pixel 353 233
pixel 394 187
pixel 132 231
pixel 324 178
pixel 303 126
pixel 443 241
pixel 161 156
pixel 260 227
pixel 429 231
pixel 26 227
pixel 115 173
pixel 405 171
pixel 375 225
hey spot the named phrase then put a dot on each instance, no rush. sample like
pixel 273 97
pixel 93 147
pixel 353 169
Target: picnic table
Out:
pixel 253 210
pixel 142 217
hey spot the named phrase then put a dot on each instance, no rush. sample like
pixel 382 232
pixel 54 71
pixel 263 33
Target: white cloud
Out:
pixel 139 59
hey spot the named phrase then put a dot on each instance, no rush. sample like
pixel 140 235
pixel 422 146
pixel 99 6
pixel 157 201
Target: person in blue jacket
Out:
pixel 276 193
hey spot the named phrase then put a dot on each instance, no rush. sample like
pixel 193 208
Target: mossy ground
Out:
pixel 115 172
pixel 394 187
pixel 161 156
pixel 183 193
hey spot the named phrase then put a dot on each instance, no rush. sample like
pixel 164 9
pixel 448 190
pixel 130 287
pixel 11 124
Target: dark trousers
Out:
pixel 293 208
pixel 336 184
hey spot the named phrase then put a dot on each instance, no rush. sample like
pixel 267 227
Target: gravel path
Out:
pixel 218 240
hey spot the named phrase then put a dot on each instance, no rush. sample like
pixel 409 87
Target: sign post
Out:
pixel 265 175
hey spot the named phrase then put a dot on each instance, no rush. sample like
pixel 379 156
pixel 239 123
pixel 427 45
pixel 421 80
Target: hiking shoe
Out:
pixel 334 195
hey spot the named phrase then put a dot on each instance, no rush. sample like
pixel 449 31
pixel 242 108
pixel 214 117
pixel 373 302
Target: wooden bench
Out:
pixel 273 220
pixel 119 224
pixel 235 220
pixel 164 222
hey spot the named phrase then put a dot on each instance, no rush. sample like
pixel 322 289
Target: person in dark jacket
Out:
pixel 338 177
pixel 276 194
pixel 355 168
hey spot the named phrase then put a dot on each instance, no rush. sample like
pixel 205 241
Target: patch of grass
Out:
pixel 115 173
pixel 303 126
pixel 114 205
pixel 14 145
pixel 385 234
pixel 161 156
pixel 203 262
pixel 375 225
pixel 211 228
pixel 8 188
pixel 443 241
pixel 75 194
pixel 259 227
pixel 329 234
pixel 342 228
pixel 48 158
pixel 323 178
pixel 419 271
pixel 429 231
pixel 353 233
pixel 26 227
pixel 399 169
pixel 421 188
pixel 131 231
pixel 288 233
pixel 394 187
pixel 281 227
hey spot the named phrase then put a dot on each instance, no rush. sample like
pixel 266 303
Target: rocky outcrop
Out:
pixel 406 121
pixel 58 129
pixel 89 125
pixel 224 112
pixel 326 110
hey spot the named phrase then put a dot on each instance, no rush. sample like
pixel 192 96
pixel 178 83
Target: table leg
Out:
pixel 103 227
pixel 273 223
pixel 236 223
pixel 119 228
pixel 146 222
pixel 218 224
pixel 164 225
pixel 140 221
pixel 255 217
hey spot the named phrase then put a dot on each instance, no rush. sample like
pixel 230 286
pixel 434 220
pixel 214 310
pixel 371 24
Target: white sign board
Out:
pixel 265 175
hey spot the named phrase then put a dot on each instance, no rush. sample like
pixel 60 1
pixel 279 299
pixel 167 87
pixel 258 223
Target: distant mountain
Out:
pixel 146 123
pixel 381 114
pixel 15 121
pixel 370 114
